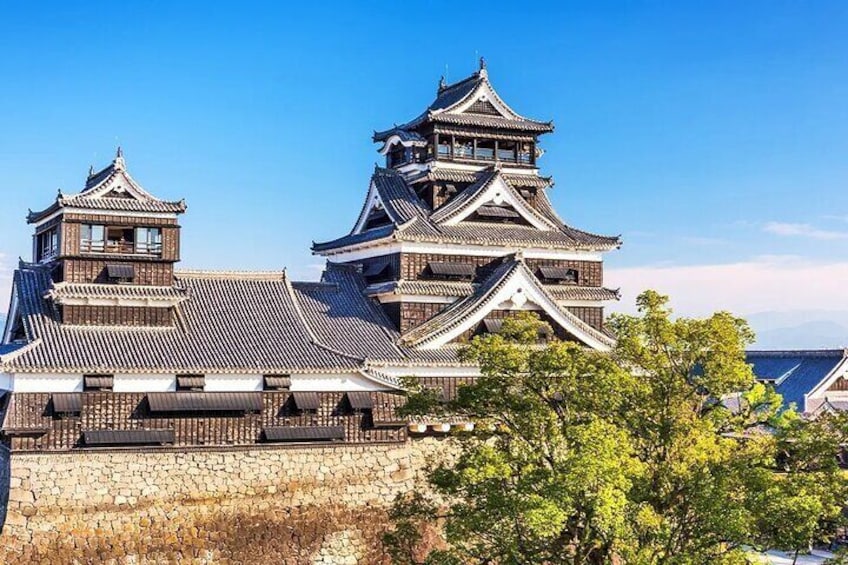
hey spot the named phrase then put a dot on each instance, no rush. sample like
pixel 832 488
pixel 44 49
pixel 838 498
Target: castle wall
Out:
pixel 270 505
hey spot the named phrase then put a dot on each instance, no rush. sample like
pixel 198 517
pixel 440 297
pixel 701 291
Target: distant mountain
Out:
pixel 800 329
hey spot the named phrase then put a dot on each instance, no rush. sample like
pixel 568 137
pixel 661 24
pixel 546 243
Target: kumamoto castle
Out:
pixel 152 412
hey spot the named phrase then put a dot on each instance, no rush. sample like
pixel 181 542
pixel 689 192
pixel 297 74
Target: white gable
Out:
pixel 499 193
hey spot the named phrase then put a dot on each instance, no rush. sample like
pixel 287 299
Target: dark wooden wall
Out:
pixel 128 411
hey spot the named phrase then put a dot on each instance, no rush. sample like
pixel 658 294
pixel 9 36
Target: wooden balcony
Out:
pixel 121 248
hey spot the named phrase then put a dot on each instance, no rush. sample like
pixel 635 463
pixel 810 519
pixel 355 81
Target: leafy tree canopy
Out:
pixel 664 451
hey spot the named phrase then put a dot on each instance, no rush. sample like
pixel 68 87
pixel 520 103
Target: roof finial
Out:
pixel 118 163
pixel 90 171
pixel 442 83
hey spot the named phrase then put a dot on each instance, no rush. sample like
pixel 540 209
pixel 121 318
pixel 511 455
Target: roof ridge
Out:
pixel 824 352
pixel 195 274
pixel 473 76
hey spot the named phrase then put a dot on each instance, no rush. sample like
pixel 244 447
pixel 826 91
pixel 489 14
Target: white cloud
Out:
pixel 803 230
pixel 760 284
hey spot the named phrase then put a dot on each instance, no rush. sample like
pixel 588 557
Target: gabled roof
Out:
pixel 796 373
pixel 412 220
pixel 233 322
pixel 512 283
pixel 227 322
pixel 111 189
pixel 454 105
pixel 491 188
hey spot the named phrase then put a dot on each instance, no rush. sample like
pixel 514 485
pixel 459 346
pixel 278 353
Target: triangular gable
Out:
pixel 494 190
pixel 119 183
pixel 511 287
pixel 483 97
pixel 821 388
pixel 373 202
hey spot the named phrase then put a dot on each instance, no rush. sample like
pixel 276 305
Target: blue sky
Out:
pixel 712 135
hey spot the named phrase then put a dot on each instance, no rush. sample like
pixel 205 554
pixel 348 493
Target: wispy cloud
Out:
pixel 779 282
pixel 803 230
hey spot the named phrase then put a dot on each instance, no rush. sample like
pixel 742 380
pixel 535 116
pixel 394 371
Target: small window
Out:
pixel 277 382
pixel 148 241
pixel 120 240
pixel 92 238
pixel 451 271
pixel 120 273
pixel 558 275
pixel 485 150
pixel 378 271
pixel 98 382
pixel 190 382
pixel 47 245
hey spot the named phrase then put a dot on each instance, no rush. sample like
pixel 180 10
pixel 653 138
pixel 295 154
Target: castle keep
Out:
pixel 111 356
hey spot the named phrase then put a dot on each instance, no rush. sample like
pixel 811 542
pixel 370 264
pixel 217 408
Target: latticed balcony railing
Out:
pixel 120 247
pixel 471 153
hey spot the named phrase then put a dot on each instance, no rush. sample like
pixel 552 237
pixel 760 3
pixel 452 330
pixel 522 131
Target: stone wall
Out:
pixel 270 505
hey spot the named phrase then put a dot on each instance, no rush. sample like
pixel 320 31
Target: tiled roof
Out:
pixel 572 292
pixel 462 288
pixel 343 318
pixel 232 323
pixel 413 222
pixel 98 195
pixel 452 96
pixel 453 175
pixel 796 372
pixel 64 290
pixel 458 312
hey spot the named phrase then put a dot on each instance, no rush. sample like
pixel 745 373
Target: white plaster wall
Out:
pixel 343 382
pixel 5 381
pixel 145 383
pixel 224 383
pixel 46 382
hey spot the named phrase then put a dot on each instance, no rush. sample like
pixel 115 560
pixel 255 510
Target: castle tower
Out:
pixel 110 251
pixel 458 232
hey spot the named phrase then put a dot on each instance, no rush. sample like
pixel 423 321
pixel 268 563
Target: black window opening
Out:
pixel 489 326
pixel 445 270
pixel 377 217
pixel 120 240
pixel 276 382
pixel 494 325
pixel 191 382
pixel 558 275
pixel 98 382
pixel 47 245
pixel 120 273
pixel 303 433
pixel 359 401
pixel 398 155
pixel 66 403
pixel 107 438
pixel 378 271
pixel 306 402
pixel 491 213
pixel 211 402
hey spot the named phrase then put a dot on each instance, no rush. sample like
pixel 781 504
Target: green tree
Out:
pixel 582 457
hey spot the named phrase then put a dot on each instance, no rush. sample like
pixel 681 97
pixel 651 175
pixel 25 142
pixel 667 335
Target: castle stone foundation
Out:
pixel 272 505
